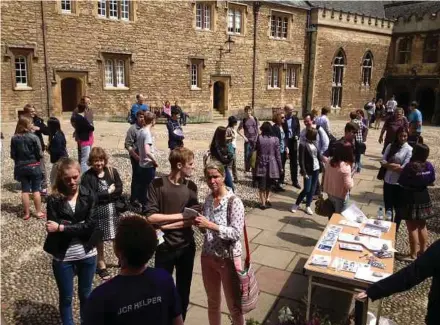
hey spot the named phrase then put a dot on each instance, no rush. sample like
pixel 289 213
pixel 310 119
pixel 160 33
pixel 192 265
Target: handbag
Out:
pixel 324 207
pixel 246 286
pixel 121 205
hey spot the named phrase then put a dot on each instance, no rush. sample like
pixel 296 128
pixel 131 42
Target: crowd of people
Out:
pixel 84 207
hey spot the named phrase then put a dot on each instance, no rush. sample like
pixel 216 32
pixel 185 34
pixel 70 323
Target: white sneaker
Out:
pixel 309 211
pixel 294 208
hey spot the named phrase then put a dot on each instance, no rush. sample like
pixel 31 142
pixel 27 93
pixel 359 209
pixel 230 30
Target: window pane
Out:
pixel 109 73
pixel 66 5
pixel 285 23
pixel 199 15
pixel 293 77
pixel 230 21
pixel 207 17
pixel 113 12
pixel 288 77
pixel 20 71
pixel 101 8
pixel 279 26
pixel 275 77
pixel 269 78
pixel 238 21
pixel 273 26
pixel 125 9
pixel 120 74
pixel 194 80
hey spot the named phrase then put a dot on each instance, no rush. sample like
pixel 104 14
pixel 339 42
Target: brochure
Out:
pixel 353 213
pixel 329 239
pixel 351 247
pixel 366 274
pixel 320 260
pixel 371 231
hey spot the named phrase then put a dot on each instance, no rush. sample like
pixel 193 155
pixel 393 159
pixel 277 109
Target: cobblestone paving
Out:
pixel 29 294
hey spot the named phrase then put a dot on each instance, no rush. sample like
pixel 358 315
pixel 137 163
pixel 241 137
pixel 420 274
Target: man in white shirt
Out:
pixel 391 106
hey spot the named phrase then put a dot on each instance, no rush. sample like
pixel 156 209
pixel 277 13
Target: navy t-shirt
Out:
pixel 148 298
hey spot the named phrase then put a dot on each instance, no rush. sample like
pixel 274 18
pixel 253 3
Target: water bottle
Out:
pixel 389 215
pixel 380 213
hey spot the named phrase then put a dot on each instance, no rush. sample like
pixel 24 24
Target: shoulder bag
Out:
pixel 246 287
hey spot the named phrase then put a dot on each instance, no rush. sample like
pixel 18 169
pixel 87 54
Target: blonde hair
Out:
pixel 149 117
pixel 97 153
pixel 24 125
pixel 214 165
pixel 180 155
pixel 314 112
pixel 59 188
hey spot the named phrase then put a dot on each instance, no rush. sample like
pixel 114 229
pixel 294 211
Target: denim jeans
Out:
pixel 183 260
pixel 392 196
pixel 64 273
pixel 248 150
pixel 339 204
pixel 228 179
pixel 146 176
pixel 309 188
pixel 84 157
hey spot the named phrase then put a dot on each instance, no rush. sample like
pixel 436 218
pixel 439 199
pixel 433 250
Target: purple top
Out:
pixel 410 178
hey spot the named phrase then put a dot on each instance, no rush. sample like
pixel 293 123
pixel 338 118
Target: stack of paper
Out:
pixel 366 274
pixel 320 260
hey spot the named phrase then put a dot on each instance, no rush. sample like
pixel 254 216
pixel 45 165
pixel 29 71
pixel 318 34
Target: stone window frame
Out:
pixel 431 48
pixel 282 30
pixel 289 68
pixel 28 52
pixel 367 66
pixel 403 54
pixel 205 7
pixel 339 63
pixel 104 12
pixel 73 7
pixel 195 69
pixel 243 10
pixel 114 60
pixel 274 75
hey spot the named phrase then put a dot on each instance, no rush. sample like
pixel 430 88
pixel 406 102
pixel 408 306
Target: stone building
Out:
pixel 215 57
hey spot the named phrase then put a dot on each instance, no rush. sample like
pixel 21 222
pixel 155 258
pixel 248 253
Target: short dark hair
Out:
pixel 311 133
pixel 351 127
pixel 135 240
pixel 247 108
pixel 343 151
pixel 325 110
pixel 266 129
pixel 420 153
pixel 309 115
pixel 174 111
pixel 414 104
pixel 353 115
pixel 232 120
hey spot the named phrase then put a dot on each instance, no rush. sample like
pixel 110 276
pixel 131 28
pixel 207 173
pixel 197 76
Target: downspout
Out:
pixel 46 67
pixel 256 10
pixel 309 57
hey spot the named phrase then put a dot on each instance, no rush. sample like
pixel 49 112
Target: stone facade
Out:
pixel 159 46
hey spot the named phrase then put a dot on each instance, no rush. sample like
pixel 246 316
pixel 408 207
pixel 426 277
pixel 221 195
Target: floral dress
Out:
pixel 106 214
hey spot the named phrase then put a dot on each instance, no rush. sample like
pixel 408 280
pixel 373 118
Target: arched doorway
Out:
pixel 219 96
pixel 403 97
pixel 426 99
pixel 381 90
pixel 70 93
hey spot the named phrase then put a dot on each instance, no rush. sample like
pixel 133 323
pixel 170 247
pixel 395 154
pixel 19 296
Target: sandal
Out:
pixel 26 217
pixel 269 204
pixel 42 215
pixel 103 274
pixel 262 207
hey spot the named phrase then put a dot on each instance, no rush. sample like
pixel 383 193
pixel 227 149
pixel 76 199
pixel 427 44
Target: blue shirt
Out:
pixel 147 298
pixel 415 117
pixel 135 108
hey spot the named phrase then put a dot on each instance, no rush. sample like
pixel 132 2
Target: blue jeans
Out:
pixel 146 176
pixel 248 150
pixel 228 179
pixel 338 203
pixel 309 188
pixel 84 154
pixel 64 273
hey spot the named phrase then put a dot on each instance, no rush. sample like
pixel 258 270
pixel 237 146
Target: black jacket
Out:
pixel 82 126
pixel 295 126
pixel 277 132
pixel 305 159
pixel 81 224
pixel 90 181
pixel 426 266
pixel 43 130
pixel 57 147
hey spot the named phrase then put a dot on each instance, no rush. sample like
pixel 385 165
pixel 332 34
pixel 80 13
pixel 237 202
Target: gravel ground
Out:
pixel 29 294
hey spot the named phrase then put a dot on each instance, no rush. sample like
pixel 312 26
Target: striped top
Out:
pixel 75 251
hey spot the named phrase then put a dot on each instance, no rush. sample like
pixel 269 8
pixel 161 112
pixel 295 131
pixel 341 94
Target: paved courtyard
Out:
pixel 280 241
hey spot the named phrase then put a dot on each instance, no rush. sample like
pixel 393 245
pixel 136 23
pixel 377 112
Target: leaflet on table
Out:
pixel 383 225
pixel 349 223
pixel 367 274
pixel 371 231
pixel 320 260
pixel 328 241
pixel 353 213
pixel 341 264
pixel 351 247
pixel 373 244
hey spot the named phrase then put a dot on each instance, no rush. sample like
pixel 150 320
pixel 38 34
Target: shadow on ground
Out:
pixel 27 312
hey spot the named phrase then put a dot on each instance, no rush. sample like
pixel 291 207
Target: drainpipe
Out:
pixel 309 57
pixel 256 10
pixel 46 67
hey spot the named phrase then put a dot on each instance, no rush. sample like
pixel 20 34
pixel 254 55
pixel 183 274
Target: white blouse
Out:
pixel 219 243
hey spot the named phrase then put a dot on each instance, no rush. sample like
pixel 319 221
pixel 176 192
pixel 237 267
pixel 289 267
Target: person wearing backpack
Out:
pixel 138 106
pixel 250 127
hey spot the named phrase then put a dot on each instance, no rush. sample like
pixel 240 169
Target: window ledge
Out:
pixel 195 88
pixel 235 34
pixel 273 88
pixel 65 12
pixel 204 30
pixel 116 88
pixel 22 88
pixel 278 39
pixel 292 88
pixel 127 21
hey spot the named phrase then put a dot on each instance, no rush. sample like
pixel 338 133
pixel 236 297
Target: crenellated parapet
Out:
pixel 351 21
pixel 426 22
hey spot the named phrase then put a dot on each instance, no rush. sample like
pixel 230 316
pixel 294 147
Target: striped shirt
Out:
pixel 75 251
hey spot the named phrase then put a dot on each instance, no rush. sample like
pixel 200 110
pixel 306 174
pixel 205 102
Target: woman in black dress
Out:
pixel 106 183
